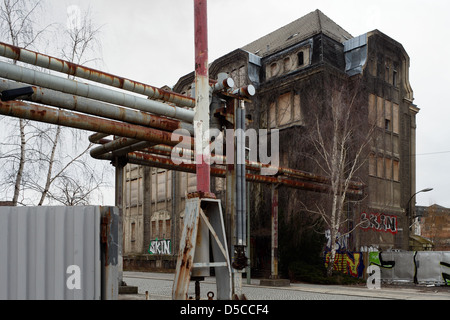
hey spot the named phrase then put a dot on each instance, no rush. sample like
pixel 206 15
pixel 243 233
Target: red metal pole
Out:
pixel 201 118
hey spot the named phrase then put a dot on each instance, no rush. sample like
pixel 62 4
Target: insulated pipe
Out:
pixel 247 91
pixel 120 147
pixel 250 165
pixel 17 73
pixel 55 64
pixel 50 115
pixel 166 163
pixel 97 108
pixel 243 181
pixel 224 84
pixel 97 137
pixel 238 167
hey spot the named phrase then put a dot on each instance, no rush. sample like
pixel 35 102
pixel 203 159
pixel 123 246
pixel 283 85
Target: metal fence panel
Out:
pixel 50 253
pixel 432 267
pixel 401 266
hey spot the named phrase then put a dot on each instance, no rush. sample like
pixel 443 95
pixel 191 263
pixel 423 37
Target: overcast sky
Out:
pixel 153 42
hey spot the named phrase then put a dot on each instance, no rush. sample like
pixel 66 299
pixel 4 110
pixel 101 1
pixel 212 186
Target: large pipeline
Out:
pixel 19 109
pixel 97 108
pixel 21 74
pixel 166 163
pixel 188 154
pixel 55 64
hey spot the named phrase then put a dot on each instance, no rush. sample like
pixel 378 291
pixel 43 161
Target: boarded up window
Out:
pixel 388 115
pixel 272 115
pixel 388 168
pixel 395 118
pixel 380 167
pixel 288 65
pixel 153 230
pixel 395 142
pixel 160 225
pixel 273 70
pixel 372 165
pixel 284 109
pixel 161 230
pixel 380 112
pixel 396 170
pixel 297 109
pixel 168 230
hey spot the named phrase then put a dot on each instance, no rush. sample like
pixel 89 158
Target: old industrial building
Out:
pixel 285 66
pixel 432 227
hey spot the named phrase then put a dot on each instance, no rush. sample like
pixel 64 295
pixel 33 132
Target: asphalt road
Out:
pixel 159 287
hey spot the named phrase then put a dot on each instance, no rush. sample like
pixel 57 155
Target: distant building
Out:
pixel 433 224
pixel 283 65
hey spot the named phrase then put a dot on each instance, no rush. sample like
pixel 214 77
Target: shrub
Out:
pixel 300 271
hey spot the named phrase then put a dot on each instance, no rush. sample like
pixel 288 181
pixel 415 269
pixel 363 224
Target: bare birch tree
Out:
pixel 82 41
pixel 17 27
pixel 41 166
pixel 339 137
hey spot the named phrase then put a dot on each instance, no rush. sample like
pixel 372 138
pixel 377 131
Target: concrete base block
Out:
pixel 275 282
pixel 128 290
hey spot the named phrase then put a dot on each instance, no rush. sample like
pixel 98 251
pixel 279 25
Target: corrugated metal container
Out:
pixel 48 252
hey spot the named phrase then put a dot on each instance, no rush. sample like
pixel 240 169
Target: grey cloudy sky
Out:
pixel 153 42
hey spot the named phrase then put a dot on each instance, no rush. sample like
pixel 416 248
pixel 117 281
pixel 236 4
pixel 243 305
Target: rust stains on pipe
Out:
pixel 97 108
pixel 59 65
pixel 166 163
pixel 50 115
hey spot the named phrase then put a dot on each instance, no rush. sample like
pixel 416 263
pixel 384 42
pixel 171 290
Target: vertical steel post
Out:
pixel 274 267
pixel 203 215
pixel 201 117
pixel 119 164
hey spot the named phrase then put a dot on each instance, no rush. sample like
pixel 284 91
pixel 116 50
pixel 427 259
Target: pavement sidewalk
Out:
pixel 387 291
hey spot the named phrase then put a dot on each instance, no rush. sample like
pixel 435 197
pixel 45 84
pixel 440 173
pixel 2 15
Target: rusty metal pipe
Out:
pixel 50 115
pixel 20 74
pixel 97 108
pixel 256 166
pixel 120 146
pixel 146 159
pixel 55 64
pixel 246 92
pixel 225 84
pixel 97 137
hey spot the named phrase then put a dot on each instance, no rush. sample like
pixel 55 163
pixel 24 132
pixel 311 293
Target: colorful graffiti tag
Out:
pixel 351 263
pixel 446 276
pixel 160 247
pixel 379 222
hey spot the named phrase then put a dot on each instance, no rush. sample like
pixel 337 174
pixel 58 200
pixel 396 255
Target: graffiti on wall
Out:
pixel 414 266
pixel 341 243
pixel 160 247
pixel 379 222
pixel 446 276
pixel 351 263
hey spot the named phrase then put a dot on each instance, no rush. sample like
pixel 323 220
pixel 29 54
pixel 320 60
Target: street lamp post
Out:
pixel 408 215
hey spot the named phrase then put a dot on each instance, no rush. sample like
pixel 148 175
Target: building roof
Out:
pixel 299 30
